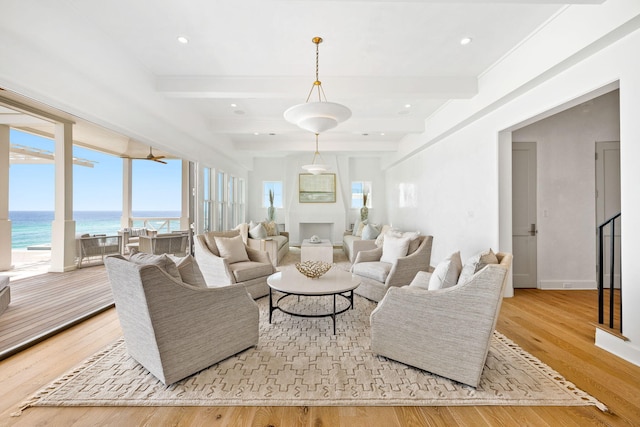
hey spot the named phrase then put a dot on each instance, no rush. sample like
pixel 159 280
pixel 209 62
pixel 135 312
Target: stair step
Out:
pixel 612 331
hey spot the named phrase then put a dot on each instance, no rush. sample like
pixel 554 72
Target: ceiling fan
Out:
pixel 149 157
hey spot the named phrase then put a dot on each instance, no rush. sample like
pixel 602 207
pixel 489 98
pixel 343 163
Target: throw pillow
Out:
pixel 412 235
pixel 232 248
pixel 370 232
pixel 394 248
pixel 243 229
pixel 383 231
pixel 477 263
pixel 446 273
pixel 258 232
pixel 162 261
pixel 189 271
pixel 361 226
pixel 210 239
pixel 356 226
pixel 271 227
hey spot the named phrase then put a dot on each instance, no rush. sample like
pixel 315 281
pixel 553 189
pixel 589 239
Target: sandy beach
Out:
pixel 27 263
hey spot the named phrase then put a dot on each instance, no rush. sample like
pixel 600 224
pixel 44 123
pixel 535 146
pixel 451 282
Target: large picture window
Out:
pixel 358 190
pixel 276 187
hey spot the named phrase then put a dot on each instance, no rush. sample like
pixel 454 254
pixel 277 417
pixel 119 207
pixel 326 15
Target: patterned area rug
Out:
pixel 300 362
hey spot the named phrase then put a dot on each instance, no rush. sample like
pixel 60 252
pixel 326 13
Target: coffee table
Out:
pixel 291 282
pixel 319 251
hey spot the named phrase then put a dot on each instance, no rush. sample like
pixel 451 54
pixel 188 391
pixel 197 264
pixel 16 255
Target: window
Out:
pixel 358 190
pixel 221 201
pixel 241 200
pixel 276 187
pixel 208 200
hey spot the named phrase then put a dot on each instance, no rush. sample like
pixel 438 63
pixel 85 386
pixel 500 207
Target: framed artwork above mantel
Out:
pixel 317 188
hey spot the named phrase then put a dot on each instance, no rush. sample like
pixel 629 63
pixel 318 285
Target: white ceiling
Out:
pixel 377 57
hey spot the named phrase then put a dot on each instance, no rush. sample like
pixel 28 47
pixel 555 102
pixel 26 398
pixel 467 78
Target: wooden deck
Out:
pixel 45 304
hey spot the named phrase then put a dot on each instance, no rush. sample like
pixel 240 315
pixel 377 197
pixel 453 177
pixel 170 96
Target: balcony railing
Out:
pixel 613 261
pixel 159 224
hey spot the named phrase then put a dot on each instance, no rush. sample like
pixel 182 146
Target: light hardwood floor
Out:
pixel 554 326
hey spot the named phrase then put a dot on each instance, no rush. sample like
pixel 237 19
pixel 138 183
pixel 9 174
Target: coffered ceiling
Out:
pixel 392 62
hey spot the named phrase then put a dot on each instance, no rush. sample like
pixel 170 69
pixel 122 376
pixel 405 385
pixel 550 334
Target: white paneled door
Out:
pixel 524 208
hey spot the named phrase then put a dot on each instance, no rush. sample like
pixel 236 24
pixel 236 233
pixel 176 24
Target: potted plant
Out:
pixel 271 211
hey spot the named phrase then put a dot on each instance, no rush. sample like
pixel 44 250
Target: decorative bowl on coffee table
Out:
pixel 313 269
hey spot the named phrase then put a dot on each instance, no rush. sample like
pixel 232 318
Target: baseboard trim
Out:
pixel 569 284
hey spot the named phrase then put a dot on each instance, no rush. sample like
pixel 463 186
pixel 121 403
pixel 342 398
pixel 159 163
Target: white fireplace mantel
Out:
pixel 334 221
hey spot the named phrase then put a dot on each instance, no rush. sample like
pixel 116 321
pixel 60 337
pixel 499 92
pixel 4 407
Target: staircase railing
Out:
pixel 612 262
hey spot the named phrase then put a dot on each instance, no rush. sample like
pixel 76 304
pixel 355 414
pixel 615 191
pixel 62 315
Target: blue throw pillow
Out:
pixel 370 232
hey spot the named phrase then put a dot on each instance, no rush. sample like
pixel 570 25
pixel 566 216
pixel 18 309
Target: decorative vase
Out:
pixel 364 210
pixel 364 213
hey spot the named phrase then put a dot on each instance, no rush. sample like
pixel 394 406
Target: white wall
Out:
pixel 455 194
pixel 287 170
pixel 566 188
pixel 457 170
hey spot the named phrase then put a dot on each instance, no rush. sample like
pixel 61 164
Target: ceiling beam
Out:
pixel 439 87
pixel 370 145
pixel 19 119
pixel 21 154
pixel 357 125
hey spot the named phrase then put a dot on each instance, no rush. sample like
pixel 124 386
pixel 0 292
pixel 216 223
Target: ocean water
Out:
pixel 31 228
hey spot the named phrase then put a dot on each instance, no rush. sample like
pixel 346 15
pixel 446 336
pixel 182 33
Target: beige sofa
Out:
pixel 218 271
pixel 352 243
pixel 276 246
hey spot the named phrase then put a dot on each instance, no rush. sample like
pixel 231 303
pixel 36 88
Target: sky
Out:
pixel 156 187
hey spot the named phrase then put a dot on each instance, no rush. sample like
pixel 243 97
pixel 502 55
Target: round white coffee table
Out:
pixel 335 282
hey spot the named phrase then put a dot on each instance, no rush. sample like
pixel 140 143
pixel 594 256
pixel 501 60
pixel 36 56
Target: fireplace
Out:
pixel 324 230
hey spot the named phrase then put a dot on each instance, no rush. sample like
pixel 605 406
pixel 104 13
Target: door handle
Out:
pixel 532 230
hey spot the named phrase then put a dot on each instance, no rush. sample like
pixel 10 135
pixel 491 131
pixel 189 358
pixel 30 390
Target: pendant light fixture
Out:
pixel 316 168
pixel 321 115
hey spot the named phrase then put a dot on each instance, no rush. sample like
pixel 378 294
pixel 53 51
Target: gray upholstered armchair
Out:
pixel 175 329
pixel 445 331
pixel 247 267
pixel 377 275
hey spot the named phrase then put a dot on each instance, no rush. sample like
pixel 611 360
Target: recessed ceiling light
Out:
pixel 465 41
pixel 381 133
pixel 407 105
pixel 183 39
pixel 234 105
pixel 256 133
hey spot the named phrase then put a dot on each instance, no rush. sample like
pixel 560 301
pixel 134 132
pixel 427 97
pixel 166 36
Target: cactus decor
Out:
pixel 271 211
